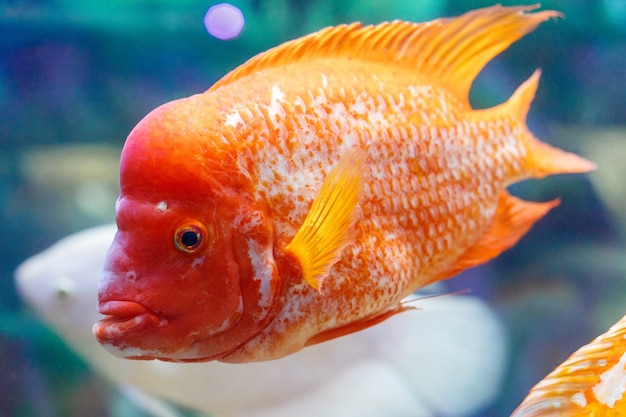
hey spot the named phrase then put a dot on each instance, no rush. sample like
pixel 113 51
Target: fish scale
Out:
pixel 310 190
pixel 390 186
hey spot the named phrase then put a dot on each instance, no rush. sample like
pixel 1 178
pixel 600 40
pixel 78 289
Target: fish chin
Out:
pixel 129 353
pixel 123 319
pixel 135 353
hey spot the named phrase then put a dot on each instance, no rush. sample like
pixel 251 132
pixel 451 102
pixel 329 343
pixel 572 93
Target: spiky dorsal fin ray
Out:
pixel 451 51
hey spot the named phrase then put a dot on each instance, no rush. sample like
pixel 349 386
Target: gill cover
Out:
pixel 259 286
pixel 258 274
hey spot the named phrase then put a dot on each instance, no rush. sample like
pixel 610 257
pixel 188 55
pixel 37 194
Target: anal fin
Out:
pixel 512 220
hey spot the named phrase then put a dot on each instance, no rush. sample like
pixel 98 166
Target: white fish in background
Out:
pixel 446 358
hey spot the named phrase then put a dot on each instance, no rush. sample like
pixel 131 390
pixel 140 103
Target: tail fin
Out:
pixel 542 159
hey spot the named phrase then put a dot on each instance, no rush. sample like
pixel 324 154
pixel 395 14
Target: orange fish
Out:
pixel 592 382
pixel 310 190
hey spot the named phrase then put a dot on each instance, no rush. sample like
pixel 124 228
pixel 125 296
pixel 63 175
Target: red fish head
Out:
pixel 190 275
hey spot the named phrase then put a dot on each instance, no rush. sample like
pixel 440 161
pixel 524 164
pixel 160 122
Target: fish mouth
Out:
pixel 124 318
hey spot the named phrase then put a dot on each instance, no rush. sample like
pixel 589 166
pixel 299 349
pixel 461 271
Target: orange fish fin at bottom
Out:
pixel 513 218
pixel 592 382
pixel 356 326
pixel 329 226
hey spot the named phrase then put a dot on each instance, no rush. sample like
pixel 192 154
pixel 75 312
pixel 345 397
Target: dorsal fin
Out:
pixel 452 50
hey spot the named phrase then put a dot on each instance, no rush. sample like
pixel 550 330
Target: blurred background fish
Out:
pixel 79 75
pixel 446 358
pixel 591 382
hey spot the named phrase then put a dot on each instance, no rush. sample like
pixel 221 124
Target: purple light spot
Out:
pixel 224 21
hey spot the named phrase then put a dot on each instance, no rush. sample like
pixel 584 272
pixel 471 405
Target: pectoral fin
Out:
pixel 329 226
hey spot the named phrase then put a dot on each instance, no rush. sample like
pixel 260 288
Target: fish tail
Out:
pixel 542 159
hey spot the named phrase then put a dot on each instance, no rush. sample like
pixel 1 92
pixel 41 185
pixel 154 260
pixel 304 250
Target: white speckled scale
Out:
pixel 433 177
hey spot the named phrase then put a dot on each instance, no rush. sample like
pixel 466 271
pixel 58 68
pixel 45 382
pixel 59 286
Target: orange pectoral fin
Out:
pixel 513 219
pixel 356 326
pixel 329 226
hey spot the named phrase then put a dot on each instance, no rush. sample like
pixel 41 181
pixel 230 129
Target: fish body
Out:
pixel 384 366
pixel 306 193
pixel 591 382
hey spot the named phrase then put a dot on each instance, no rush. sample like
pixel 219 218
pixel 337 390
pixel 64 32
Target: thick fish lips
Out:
pixel 124 318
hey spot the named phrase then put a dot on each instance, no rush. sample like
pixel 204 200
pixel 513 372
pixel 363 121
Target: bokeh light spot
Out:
pixel 224 21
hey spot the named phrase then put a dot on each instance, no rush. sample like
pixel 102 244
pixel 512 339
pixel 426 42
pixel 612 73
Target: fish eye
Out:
pixel 190 237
